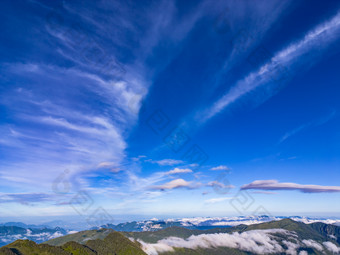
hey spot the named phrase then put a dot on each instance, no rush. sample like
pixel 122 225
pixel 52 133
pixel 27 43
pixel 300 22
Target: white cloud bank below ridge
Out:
pixel 275 185
pixel 255 241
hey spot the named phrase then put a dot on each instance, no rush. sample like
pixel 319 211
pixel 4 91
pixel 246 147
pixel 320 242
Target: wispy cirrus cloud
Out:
pixel 220 185
pixel 177 183
pixel 179 171
pixel 76 108
pixel 221 167
pixel 293 132
pixel 318 39
pixel 275 185
pixel 263 192
pixel 249 25
pixel 30 198
pixel 217 200
pixel 318 122
pixel 166 162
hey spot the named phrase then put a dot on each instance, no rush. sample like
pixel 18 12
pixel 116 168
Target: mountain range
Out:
pixel 209 222
pixel 284 236
pixel 11 231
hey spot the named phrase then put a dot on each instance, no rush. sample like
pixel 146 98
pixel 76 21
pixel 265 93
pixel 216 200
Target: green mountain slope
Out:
pixel 81 237
pixel 78 249
pixel 303 230
pixel 24 247
pixel 326 230
pixel 113 244
pixel 108 241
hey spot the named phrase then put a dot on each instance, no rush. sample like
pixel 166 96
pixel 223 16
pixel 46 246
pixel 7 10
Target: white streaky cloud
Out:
pixel 221 167
pixel 166 162
pixel 179 171
pixel 138 158
pixel 318 122
pixel 31 198
pixel 105 164
pixel 255 241
pixel 293 132
pixel 248 26
pixel 217 200
pixel 99 100
pixel 129 92
pixel 220 185
pixel 139 184
pixel 303 253
pixel 332 247
pixel 178 183
pixel 79 128
pixel 109 165
pixel 275 185
pixel 73 137
pixel 142 185
pixel 263 192
pixel 85 126
pixel 317 39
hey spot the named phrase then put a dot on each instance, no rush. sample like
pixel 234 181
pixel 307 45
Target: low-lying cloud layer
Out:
pixel 38 236
pixel 255 241
pixel 275 185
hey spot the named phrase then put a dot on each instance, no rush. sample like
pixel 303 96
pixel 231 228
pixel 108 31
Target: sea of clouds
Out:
pixel 255 241
pixel 38 238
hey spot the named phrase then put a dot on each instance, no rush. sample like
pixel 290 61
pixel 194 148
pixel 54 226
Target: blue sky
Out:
pixel 169 108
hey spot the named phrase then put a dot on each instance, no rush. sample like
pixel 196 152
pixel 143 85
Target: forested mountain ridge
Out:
pixel 276 237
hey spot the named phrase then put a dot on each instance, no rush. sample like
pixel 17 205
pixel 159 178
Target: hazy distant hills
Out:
pixel 81 237
pixel 23 225
pixel 114 243
pixel 276 237
pixel 10 233
pixel 208 222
